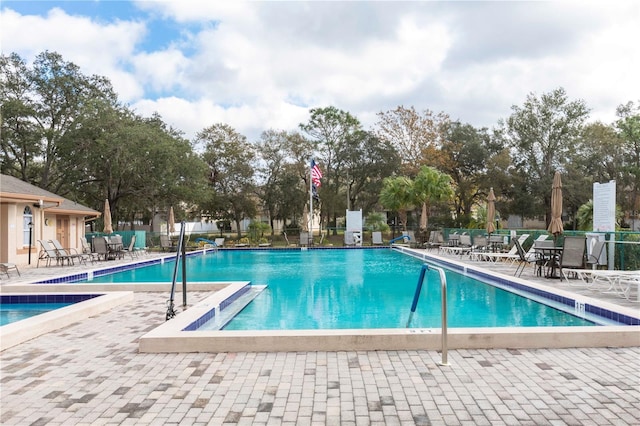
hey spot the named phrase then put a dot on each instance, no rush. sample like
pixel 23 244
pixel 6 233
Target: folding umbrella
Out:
pixel 423 217
pixel 491 211
pixel 555 226
pixel 171 221
pixel 108 227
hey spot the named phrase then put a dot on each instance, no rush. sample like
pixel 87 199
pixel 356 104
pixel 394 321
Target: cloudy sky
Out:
pixel 263 64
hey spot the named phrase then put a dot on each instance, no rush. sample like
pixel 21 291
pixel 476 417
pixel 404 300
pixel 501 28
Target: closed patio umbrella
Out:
pixel 423 218
pixel 108 227
pixel 171 221
pixel 555 226
pixel 491 211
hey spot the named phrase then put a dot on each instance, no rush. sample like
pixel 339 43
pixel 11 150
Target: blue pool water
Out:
pixel 13 312
pixel 340 289
pixel 16 307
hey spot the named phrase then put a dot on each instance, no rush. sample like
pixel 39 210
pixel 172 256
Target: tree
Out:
pixel 430 186
pixel 328 129
pixel 543 134
pixel 367 161
pixel 43 105
pixel 397 195
pixel 475 162
pixel 628 129
pixel 283 176
pixel 229 158
pixel 415 136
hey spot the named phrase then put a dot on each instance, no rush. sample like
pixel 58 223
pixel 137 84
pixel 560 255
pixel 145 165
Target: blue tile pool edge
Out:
pixel 10 299
pixel 492 279
pixel 195 325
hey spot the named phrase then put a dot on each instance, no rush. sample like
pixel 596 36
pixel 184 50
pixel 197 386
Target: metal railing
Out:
pixel 414 304
pixel 180 253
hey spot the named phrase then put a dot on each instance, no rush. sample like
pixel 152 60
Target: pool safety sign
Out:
pixel 604 206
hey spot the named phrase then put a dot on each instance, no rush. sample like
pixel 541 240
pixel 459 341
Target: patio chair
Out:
pixel 479 248
pixel 165 242
pixel 130 249
pixel 6 267
pixel 524 260
pixel 71 254
pixel 593 258
pixel 100 248
pixel 573 250
pixel 116 246
pixel 376 238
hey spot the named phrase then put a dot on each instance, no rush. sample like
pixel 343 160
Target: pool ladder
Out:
pixel 414 304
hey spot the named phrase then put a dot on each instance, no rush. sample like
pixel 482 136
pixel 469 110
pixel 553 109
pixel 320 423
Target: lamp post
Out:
pixel 30 239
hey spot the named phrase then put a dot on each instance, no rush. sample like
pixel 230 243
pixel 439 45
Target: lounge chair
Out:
pixel 86 247
pixel 6 267
pixel 573 253
pixel 376 238
pixel 511 255
pixel 219 242
pixel 71 254
pixel 463 247
pixel 48 253
pixel 436 240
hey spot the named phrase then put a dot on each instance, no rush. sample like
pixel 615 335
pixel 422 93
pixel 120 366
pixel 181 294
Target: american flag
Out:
pixel 316 174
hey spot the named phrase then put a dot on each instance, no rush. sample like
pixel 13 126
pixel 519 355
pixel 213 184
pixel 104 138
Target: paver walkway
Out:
pixel 91 373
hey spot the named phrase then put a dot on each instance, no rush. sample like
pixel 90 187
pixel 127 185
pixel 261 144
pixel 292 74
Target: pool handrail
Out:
pixel 401 237
pixel 180 252
pixel 414 304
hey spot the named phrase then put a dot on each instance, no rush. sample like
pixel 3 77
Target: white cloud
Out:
pixel 261 65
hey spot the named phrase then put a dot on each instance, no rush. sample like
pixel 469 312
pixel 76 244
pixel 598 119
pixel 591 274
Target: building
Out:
pixel 29 214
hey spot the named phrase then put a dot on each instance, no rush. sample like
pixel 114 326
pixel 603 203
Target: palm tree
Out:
pixel 397 194
pixel 430 185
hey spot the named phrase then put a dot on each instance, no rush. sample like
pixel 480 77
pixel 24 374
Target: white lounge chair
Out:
pixel 510 256
pixel 6 267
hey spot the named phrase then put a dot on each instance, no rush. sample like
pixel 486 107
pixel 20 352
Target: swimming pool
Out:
pixel 352 289
pixel 18 311
pixel 62 309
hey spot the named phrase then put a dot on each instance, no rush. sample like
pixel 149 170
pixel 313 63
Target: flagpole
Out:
pixel 310 199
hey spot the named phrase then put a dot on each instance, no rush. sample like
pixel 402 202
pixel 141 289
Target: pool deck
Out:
pixel 93 373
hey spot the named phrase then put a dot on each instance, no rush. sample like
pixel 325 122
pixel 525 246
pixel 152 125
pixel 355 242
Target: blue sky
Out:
pixel 262 65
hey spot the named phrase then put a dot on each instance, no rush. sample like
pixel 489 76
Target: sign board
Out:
pixel 604 206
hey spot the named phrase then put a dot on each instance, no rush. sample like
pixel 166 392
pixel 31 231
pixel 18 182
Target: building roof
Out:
pixel 16 190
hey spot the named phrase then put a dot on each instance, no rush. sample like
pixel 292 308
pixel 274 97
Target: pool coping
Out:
pixel 21 331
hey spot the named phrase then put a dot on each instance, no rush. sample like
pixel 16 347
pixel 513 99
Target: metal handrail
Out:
pixel 414 304
pixel 180 252
pixel 402 237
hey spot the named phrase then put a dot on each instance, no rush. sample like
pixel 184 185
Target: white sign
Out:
pixel 604 206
